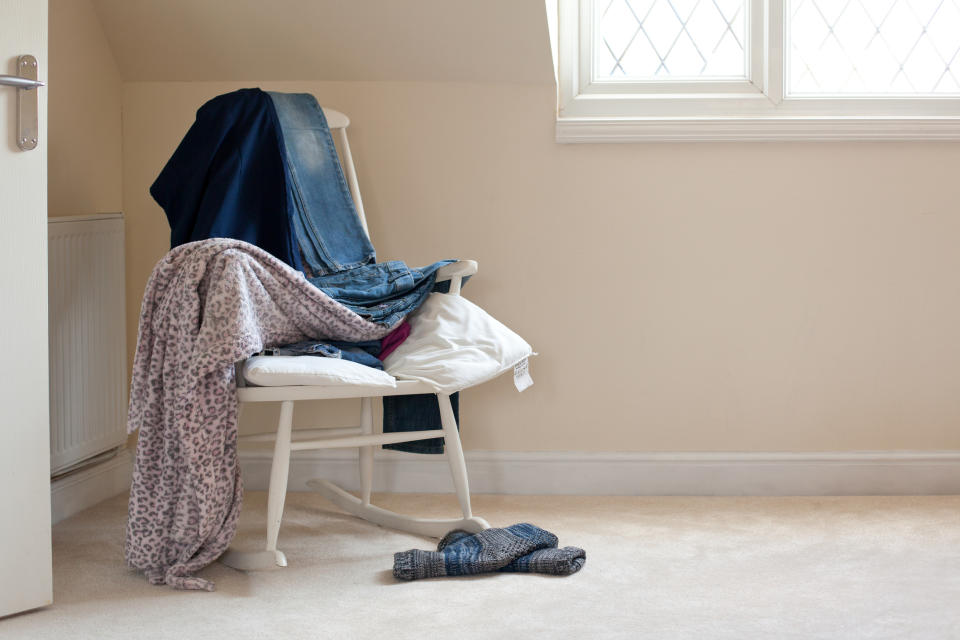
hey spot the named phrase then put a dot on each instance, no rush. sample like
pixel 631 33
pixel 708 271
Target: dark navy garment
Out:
pixel 227 178
pixel 416 413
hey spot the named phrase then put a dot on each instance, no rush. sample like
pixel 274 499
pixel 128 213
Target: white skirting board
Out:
pixel 548 473
pixel 86 487
pixel 642 474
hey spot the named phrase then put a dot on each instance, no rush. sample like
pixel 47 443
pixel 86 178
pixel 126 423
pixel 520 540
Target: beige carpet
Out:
pixel 656 568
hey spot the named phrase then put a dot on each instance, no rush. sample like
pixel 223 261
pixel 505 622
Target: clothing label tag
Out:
pixel 521 375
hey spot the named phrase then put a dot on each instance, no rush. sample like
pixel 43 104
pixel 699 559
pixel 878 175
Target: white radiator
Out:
pixel 88 361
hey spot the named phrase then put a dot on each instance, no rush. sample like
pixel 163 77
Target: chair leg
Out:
pixel 366 453
pixel 454 453
pixel 279 472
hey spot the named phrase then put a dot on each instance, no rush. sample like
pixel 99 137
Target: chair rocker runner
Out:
pixel 361 436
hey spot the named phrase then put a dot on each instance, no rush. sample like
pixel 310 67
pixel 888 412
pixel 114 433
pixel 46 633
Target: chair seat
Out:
pixel 453 345
pixel 314 371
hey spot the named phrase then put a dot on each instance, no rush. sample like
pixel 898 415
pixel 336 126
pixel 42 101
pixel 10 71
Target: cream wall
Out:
pixel 683 297
pixel 331 40
pixel 84 167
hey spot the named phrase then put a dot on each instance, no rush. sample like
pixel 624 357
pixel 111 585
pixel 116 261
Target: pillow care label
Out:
pixel 521 375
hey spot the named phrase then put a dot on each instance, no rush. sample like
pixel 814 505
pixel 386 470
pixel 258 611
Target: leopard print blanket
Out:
pixel 207 305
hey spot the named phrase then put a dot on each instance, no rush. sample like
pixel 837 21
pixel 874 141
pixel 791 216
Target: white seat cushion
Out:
pixel 315 371
pixel 454 344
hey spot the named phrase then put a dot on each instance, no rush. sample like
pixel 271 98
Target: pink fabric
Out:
pixel 394 339
pixel 207 305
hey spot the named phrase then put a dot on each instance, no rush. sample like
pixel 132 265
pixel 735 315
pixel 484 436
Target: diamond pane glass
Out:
pixel 874 47
pixel 669 39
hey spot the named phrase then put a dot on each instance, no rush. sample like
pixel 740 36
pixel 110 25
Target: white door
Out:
pixel 26 580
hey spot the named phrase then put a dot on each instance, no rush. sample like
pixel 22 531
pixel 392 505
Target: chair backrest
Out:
pixel 338 123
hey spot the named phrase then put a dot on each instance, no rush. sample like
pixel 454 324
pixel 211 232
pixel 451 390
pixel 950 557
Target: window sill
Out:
pixel 798 128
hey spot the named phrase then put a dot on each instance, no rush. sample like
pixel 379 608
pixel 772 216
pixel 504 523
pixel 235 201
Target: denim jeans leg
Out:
pixel 327 226
pixel 416 413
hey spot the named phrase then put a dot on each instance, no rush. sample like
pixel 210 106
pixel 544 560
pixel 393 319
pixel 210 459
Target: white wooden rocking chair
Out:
pixel 286 440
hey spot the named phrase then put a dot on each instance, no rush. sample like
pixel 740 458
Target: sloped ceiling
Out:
pixel 403 40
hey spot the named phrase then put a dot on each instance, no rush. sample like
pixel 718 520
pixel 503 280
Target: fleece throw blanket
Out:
pixel 207 305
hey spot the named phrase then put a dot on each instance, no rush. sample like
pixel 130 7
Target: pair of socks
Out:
pixel 520 548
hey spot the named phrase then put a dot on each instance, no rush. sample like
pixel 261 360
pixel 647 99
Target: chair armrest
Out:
pixel 458 269
pixel 455 272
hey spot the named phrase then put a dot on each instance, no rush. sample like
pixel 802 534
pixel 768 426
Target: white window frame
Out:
pixel 753 109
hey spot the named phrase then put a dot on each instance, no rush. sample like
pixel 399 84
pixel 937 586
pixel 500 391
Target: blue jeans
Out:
pixel 328 229
pixel 364 353
pixel 341 261
pixel 339 257
pixel 413 413
pixel 384 292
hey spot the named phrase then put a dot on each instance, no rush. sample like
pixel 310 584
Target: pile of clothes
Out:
pixel 262 167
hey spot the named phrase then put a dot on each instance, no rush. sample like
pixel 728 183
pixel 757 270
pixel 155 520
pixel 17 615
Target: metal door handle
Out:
pixel 28 131
pixel 20 83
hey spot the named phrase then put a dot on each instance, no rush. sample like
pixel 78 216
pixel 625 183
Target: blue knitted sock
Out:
pixel 555 562
pixel 461 553
pixel 552 561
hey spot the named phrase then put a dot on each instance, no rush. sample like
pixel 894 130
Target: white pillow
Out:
pixel 317 371
pixel 454 344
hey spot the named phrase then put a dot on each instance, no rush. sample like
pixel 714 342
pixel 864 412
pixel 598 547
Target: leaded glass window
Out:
pixel 669 39
pixel 874 47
